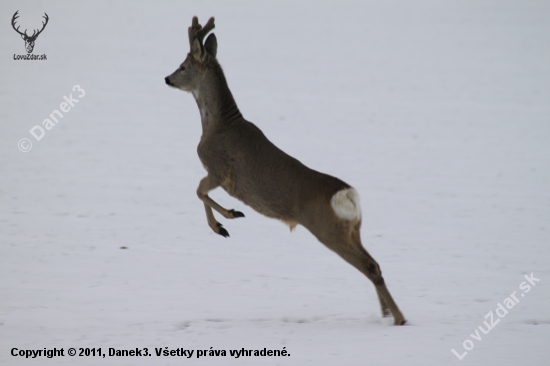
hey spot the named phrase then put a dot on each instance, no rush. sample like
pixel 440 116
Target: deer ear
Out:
pixel 197 50
pixel 211 45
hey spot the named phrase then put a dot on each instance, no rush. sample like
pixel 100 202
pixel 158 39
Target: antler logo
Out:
pixel 29 40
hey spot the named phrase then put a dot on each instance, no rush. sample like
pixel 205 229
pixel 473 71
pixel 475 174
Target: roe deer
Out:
pixel 239 158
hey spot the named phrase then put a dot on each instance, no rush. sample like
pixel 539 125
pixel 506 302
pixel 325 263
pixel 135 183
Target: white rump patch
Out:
pixel 345 204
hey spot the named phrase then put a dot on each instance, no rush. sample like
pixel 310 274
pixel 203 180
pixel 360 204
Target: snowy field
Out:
pixel 437 112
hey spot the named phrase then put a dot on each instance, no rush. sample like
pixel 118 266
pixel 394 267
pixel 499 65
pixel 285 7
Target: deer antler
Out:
pixel 43 26
pixel 15 16
pixel 34 34
pixel 198 31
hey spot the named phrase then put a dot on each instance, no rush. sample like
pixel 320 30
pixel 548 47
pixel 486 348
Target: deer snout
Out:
pixel 168 81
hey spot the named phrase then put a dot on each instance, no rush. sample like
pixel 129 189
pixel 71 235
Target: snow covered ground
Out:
pixel 437 112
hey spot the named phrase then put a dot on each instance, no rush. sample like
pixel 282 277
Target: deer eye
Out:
pixel 182 68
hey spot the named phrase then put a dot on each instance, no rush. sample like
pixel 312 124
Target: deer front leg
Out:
pixel 206 186
pixel 214 225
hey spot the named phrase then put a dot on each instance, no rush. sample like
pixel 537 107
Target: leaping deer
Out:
pixel 29 40
pixel 239 158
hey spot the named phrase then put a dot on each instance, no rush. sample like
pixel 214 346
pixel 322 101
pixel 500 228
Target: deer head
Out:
pixel 29 40
pixel 191 72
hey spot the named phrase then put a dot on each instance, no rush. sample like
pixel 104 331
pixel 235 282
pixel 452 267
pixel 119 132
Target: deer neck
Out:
pixel 215 101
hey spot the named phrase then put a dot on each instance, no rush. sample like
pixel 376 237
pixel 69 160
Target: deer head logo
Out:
pixel 29 40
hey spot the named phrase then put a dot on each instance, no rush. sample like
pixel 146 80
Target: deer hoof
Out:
pixel 222 231
pixel 400 322
pixel 236 213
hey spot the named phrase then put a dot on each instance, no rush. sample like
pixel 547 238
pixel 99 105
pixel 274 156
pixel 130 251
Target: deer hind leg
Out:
pixel 340 232
pixel 363 261
pixel 383 306
pixel 342 237
pixel 385 309
pixel 356 240
pixel 206 185
pixel 354 253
